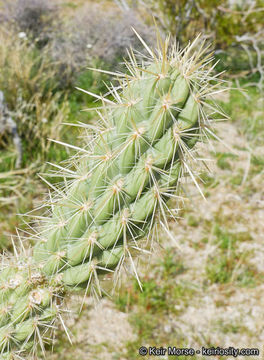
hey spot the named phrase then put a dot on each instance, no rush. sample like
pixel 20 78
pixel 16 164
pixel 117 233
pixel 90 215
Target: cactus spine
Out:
pixel 114 191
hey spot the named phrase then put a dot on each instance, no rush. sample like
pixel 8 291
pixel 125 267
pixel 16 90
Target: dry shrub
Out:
pixel 37 18
pixel 98 31
pixel 28 80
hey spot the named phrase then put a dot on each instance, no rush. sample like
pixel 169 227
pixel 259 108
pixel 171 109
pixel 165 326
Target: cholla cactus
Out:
pixel 115 191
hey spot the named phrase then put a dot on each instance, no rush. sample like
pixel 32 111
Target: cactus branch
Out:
pixel 115 191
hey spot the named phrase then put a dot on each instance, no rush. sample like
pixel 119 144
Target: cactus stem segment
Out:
pixel 116 189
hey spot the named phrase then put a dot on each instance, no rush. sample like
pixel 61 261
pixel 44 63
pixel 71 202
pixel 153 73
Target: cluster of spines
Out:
pixel 29 307
pixel 122 181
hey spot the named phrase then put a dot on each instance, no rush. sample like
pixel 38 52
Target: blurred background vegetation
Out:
pixel 46 50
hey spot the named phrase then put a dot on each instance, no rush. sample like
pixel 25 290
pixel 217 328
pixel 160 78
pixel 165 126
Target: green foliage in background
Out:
pixel 219 20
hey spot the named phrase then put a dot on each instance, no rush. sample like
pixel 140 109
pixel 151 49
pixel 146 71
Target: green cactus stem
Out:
pixel 114 191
